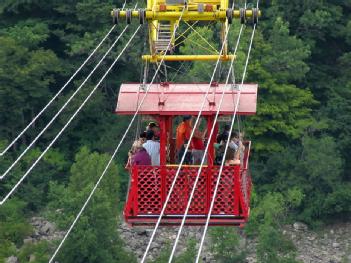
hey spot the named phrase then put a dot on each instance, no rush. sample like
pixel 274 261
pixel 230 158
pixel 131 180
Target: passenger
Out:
pixel 152 147
pixel 139 142
pixel 155 128
pixel 188 159
pixel 223 136
pixel 141 157
pixel 182 137
pixel 197 145
pixel 235 150
pixel 136 144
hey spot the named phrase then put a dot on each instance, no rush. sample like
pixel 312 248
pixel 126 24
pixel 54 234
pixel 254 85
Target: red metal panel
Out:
pixel 179 99
pixel 151 184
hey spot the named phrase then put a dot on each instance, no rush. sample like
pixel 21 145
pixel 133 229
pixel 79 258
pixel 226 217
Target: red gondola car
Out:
pixel 150 184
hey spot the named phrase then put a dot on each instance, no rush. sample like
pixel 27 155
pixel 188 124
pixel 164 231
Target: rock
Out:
pixel 298 226
pixel 12 259
pixel 28 240
pixel 336 245
pixel 47 229
pixel 32 258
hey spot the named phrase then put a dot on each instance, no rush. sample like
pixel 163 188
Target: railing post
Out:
pixel 237 190
pixel 134 186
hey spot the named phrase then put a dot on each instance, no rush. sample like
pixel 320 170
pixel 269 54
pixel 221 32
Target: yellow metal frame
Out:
pixel 158 58
pixel 158 11
pixel 218 15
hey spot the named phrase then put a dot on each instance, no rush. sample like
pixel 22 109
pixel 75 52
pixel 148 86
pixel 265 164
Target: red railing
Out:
pixel 150 185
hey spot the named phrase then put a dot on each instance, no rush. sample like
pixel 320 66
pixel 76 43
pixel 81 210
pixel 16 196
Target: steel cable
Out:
pixel 116 150
pixel 226 147
pixel 64 127
pixel 183 157
pixel 205 152
pixel 62 108
pixel 56 95
pixel 91 194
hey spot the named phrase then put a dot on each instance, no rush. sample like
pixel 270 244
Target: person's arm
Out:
pixel 198 134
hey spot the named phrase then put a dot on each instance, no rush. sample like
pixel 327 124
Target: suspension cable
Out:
pixel 227 145
pixel 118 146
pixel 63 107
pixel 183 157
pixel 205 152
pixel 57 94
pixel 69 121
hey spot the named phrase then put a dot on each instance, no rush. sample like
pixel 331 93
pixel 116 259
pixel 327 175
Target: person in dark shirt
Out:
pixel 223 136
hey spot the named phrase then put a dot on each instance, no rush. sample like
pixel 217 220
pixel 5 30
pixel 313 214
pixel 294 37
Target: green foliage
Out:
pixel 38 252
pixel 13 224
pixel 187 256
pixel 266 219
pixel 226 246
pixel 95 238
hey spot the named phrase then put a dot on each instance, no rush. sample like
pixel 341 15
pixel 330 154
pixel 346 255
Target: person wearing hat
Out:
pixel 182 138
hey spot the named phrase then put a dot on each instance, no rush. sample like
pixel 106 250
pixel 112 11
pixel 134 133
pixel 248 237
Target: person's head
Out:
pixel 152 126
pixel 227 127
pixel 142 136
pixel 150 135
pixel 187 118
pixel 234 136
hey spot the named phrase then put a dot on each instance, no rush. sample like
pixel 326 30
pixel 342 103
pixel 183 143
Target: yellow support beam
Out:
pixel 158 58
pixel 188 15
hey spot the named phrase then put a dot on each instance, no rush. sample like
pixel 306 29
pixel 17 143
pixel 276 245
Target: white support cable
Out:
pixel 226 148
pixel 63 107
pixel 116 150
pixel 56 95
pixel 66 125
pixel 205 152
pixel 183 157
pixel 124 4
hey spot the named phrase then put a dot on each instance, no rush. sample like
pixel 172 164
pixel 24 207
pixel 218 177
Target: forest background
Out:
pixel 301 135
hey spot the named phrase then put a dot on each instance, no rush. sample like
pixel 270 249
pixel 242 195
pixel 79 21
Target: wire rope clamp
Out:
pixel 115 16
pixel 142 16
pixel 163 8
pixel 129 16
pixel 242 15
pixel 208 8
pixel 229 15
pixel 200 7
pixel 255 15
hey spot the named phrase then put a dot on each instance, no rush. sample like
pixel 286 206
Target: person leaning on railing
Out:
pixel 235 150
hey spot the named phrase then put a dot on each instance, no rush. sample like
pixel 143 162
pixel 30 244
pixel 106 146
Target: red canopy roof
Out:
pixel 181 99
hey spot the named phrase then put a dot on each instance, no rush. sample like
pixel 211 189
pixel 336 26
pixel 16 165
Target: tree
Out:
pixel 95 238
pixel 266 220
pixel 226 246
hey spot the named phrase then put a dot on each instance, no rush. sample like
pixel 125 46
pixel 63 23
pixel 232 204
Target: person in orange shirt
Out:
pixel 182 137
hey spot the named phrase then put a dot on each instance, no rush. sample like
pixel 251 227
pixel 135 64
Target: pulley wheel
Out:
pixel 255 16
pixel 229 14
pixel 129 16
pixel 242 15
pixel 115 17
pixel 142 16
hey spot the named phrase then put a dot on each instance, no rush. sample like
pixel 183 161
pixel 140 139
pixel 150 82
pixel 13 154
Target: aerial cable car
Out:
pixel 165 102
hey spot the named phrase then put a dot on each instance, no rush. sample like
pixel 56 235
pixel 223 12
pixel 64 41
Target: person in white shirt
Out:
pixel 152 147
